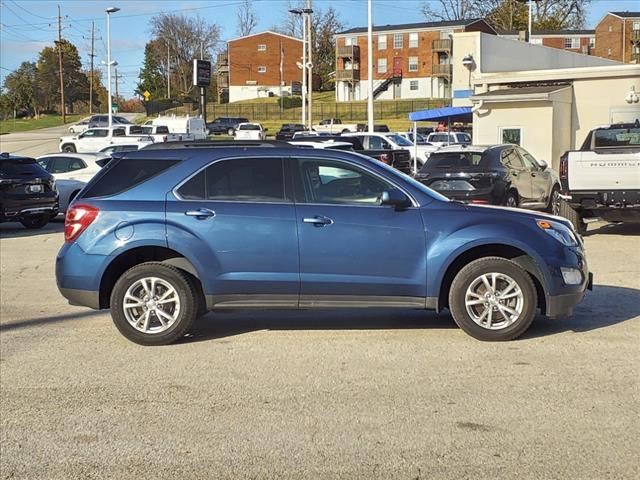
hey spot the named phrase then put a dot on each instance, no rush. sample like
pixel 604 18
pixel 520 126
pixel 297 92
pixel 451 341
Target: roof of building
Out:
pixel 626 14
pixel 550 32
pixel 415 26
pixel 265 32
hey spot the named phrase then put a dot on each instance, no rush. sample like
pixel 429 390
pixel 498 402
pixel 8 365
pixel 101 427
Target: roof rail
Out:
pixel 218 144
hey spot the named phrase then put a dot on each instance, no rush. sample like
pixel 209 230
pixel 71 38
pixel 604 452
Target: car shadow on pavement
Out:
pixel 615 229
pixel 16 230
pixel 605 306
pixel 219 324
pixel 36 322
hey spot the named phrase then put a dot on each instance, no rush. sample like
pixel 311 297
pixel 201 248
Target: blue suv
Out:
pixel 162 236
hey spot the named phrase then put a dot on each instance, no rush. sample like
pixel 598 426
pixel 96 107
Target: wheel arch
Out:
pixel 514 253
pixel 135 256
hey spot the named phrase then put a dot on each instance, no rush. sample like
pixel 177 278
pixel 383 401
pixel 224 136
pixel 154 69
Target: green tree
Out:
pixel 153 75
pixel 20 89
pixel 76 83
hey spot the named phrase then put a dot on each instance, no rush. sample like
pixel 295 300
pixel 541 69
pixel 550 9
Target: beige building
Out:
pixel 542 98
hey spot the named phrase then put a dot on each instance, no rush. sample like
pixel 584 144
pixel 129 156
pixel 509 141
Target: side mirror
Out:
pixel 543 164
pixel 395 198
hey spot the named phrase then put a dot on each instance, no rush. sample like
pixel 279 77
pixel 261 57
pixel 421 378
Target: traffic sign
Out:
pixel 147 95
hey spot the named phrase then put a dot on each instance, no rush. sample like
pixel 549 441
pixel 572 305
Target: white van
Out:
pixel 191 125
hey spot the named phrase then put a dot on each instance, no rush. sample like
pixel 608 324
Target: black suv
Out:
pixel 226 125
pixel 288 129
pixel 27 192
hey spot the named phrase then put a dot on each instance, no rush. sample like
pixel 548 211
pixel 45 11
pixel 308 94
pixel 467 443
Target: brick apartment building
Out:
pixel 259 65
pixel 576 41
pixel 618 37
pixel 409 60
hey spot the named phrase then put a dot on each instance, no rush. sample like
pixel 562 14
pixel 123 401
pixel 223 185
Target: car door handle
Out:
pixel 514 173
pixel 318 220
pixel 200 213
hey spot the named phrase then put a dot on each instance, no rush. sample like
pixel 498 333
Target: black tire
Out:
pixel 69 148
pixel 187 292
pixel 230 132
pixel 554 201
pixel 512 199
pixel 468 275
pixel 567 211
pixel 33 222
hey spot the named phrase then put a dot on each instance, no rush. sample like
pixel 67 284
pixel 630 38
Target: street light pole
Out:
pixel 369 69
pixel 109 11
pixel 304 70
pixel 308 12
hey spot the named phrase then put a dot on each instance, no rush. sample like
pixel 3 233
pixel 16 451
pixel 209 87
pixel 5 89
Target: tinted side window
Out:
pixel 528 160
pixel 65 165
pixel 242 180
pixel 125 174
pixel 326 181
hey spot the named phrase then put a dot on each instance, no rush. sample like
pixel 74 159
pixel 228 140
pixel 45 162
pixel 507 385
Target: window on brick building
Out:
pixel 382 65
pixel 262 69
pixel 382 42
pixel 413 40
pixel 413 64
pixel 609 51
pixel 413 85
pixel 592 42
pixel 262 47
pixel 397 40
pixel 572 42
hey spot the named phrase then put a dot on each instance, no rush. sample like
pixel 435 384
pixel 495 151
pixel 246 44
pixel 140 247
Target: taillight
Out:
pixel 78 218
pixel 564 167
pixel 480 202
pixel 384 158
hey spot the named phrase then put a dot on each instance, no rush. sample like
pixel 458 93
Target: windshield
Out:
pixel 249 126
pixel 456 160
pixel 617 137
pixel 400 141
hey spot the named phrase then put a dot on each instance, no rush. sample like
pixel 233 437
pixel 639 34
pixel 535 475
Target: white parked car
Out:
pixel 442 139
pixel 95 139
pixel 79 127
pixel 250 131
pixel 325 145
pixel 194 126
pixel 393 141
pixel 334 126
pixel 107 151
pixel 71 171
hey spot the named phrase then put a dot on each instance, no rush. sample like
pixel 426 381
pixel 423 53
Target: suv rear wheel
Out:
pixel 493 299
pixel 154 304
pixel 69 148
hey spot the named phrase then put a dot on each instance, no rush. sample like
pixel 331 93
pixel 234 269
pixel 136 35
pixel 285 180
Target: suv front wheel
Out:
pixel 493 299
pixel 154 303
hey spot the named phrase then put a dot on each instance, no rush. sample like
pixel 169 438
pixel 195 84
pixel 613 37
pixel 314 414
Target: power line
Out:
pixel 28 11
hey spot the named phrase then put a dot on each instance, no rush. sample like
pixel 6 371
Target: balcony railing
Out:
pixel 223 59
pixel 441 70
pixel 441 45
pixel 223 81
pixel 347 75
pixel 349 51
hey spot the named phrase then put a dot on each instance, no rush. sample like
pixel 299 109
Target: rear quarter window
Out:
pixel 20 167
pixel 124 174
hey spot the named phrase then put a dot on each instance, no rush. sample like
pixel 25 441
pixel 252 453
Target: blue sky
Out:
pixel 27 26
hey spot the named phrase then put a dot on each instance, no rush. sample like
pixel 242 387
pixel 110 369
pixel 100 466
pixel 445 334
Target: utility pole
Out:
pixel 168 74
pixel 310 70
pixel 64 115
pixel 370 117
pixel 116 76
pixel 93 25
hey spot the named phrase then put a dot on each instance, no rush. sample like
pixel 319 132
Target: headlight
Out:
pixel 559 231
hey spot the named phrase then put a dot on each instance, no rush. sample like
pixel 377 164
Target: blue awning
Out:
pixel 437 114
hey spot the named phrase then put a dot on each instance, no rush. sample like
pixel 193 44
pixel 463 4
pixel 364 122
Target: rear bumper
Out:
pixel 17 208
pixel 600 199
pixel 83 298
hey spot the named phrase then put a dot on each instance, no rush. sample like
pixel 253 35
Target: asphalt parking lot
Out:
pixel 376 394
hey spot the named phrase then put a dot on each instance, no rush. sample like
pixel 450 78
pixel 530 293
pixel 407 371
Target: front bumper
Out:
pixel 562 305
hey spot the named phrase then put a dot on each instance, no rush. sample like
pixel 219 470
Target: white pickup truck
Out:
pixel 602 178
pixel 95 139
pixel 335 126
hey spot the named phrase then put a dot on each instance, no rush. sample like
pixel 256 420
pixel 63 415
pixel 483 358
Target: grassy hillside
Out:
pixel 26 124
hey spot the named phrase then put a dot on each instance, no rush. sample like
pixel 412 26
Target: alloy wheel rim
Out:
pixel 494 301
pixel 151 305
pixel 555 203
pixel 511 202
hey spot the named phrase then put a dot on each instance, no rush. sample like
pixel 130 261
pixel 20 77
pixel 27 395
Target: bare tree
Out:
pixel 247 19
pixel 449 10
pixel 185 37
